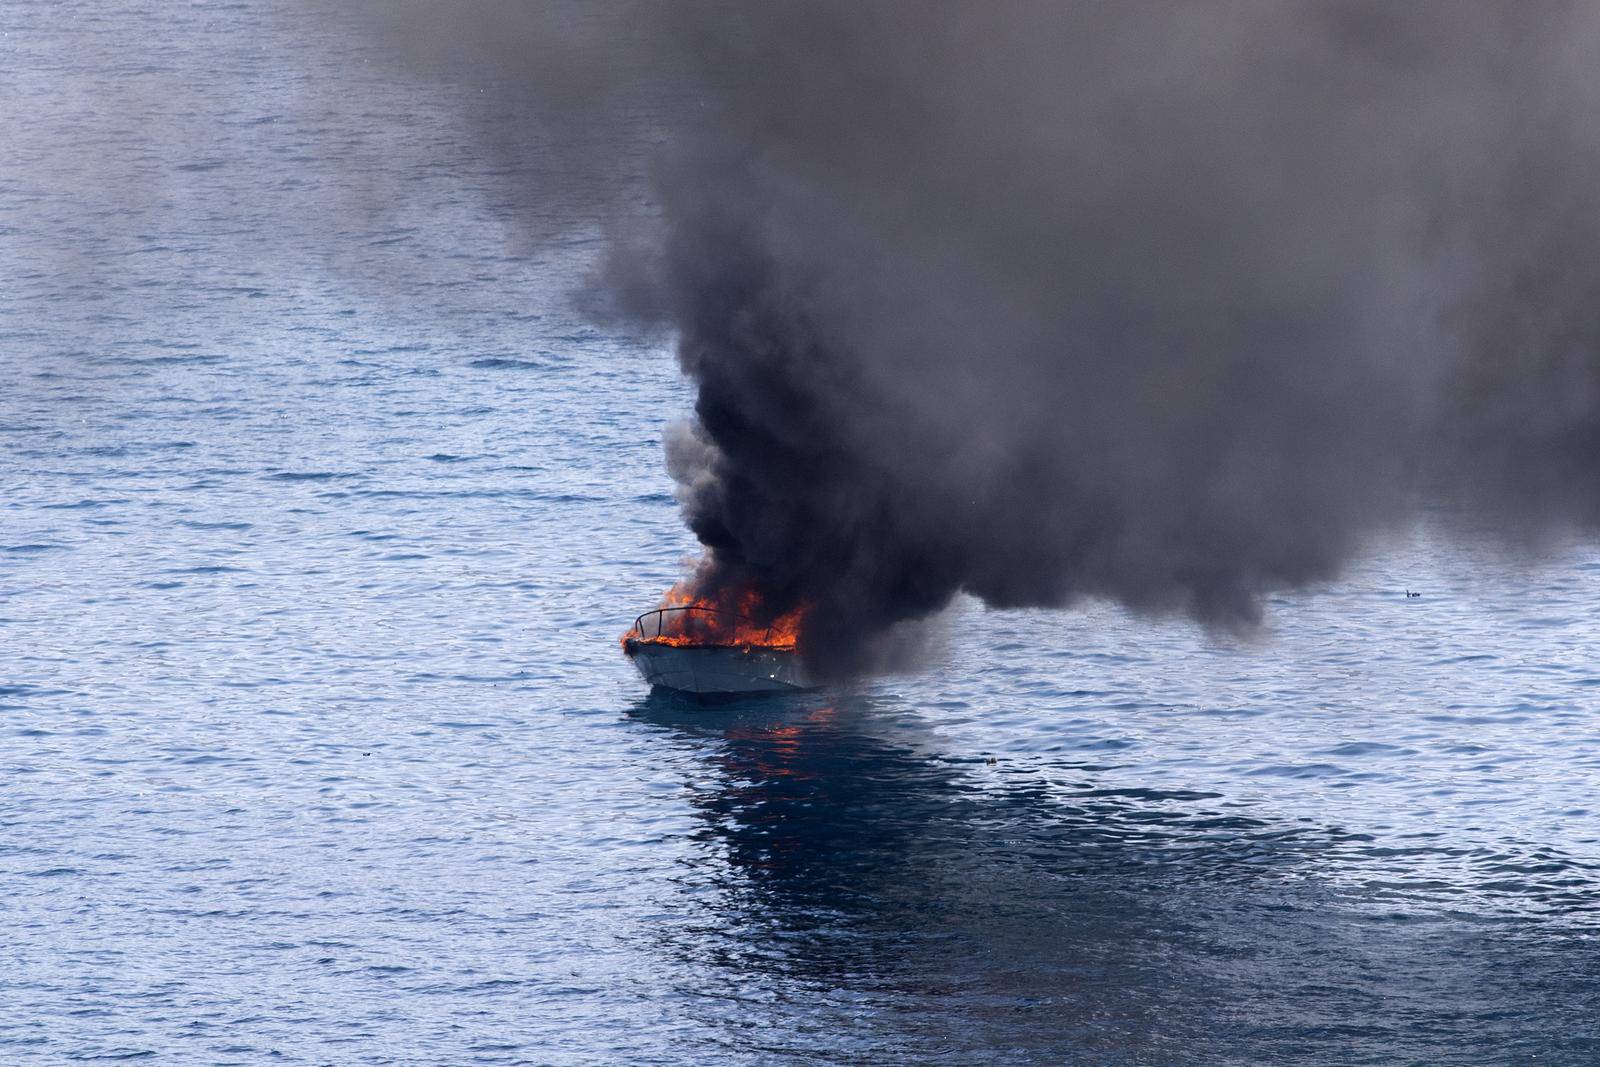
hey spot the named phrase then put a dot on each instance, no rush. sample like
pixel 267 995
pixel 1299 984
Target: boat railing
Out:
pixel 653 625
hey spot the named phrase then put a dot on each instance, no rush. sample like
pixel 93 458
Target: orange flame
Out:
pixel 705 621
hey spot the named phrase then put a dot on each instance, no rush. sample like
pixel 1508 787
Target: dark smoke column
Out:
pixel 966 315
pixel 1167 304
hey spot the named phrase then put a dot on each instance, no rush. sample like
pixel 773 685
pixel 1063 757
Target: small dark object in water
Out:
pixel 1409 593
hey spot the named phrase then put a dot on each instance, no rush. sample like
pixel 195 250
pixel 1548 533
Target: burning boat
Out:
pixel 708 651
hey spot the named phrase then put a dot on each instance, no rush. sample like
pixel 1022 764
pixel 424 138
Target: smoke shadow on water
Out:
pixel 869 898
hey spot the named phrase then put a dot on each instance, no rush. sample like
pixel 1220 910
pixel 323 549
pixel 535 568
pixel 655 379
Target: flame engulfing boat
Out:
pixel 710 652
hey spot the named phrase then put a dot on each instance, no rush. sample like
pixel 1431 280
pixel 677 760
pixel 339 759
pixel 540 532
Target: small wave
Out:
pixel 1298 770
pixel 76 505
pixel 167 361
pixel 310 476
pixel 499 363
pixel 1366 748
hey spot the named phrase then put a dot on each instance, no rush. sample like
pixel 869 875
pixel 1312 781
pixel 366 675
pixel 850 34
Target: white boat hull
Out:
pixel 720 670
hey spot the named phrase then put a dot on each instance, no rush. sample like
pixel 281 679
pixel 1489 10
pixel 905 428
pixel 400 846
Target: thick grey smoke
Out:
pixel 1168 303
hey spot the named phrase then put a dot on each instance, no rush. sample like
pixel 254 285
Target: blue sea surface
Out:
pixel 323 511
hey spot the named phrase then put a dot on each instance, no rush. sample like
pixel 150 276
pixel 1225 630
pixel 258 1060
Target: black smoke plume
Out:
pixel 1172 304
